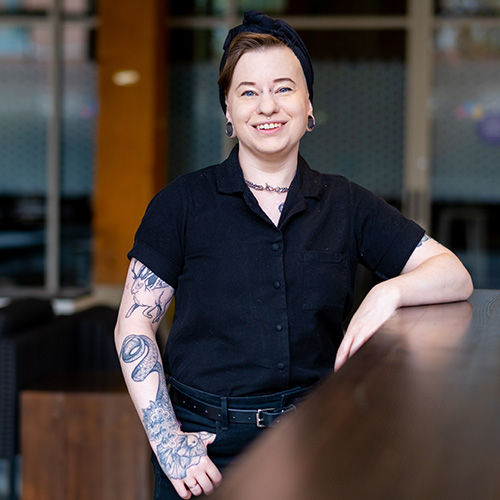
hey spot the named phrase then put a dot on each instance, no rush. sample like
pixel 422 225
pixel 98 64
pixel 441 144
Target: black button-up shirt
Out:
pixel 259 308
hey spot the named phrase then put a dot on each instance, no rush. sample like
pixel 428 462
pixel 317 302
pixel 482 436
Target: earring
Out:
pixel 311 123
pixel 229 129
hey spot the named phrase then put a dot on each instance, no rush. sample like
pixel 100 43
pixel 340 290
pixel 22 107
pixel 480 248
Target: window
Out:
pixel 359 87
pixel 48 103
pixel 465 152
pixel 373 104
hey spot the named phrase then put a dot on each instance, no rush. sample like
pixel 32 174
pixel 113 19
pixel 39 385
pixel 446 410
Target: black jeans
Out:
pixel 231 438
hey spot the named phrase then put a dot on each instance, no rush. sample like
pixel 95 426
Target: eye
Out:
pixel 248 93
pixel 282 90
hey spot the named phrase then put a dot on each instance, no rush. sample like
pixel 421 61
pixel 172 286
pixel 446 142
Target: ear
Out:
pixel 311 111
pixel 228 113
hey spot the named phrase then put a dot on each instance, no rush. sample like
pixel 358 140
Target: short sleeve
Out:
pixel 385 237
pixel 158 242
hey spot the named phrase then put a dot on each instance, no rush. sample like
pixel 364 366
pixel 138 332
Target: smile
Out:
pixel 268 126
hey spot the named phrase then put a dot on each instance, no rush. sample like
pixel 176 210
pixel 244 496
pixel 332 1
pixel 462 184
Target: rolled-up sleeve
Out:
pixel 385 237
pixel 158 242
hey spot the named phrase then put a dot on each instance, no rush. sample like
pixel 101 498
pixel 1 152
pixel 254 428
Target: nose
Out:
pixel 267 104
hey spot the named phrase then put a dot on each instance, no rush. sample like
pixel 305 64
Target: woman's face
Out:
pixel 268 102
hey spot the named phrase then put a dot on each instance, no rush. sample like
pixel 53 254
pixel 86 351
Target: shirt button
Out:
pixel 276 247
pixel 279 327
pixel 281 366
pixel 277 284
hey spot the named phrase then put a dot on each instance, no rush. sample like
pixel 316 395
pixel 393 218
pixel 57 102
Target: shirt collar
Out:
pixel 229 174
pixel 307 182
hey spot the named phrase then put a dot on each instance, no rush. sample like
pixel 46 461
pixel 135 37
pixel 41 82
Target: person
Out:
pixel 261 253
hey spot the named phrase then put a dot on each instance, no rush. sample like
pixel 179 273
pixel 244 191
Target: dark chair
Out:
pixel 17 317
pixel 35 343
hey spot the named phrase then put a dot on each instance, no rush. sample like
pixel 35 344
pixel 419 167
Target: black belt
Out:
pixel 262 417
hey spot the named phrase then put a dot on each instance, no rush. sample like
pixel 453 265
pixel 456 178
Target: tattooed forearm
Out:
pixel 176 451
pixel 150 293
pixel 142 348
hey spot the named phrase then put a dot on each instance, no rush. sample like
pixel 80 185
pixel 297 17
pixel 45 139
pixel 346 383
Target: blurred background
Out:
pixel 406 98
pixel 102 103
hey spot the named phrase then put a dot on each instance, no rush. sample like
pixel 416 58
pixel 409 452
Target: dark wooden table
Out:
pixel 415 414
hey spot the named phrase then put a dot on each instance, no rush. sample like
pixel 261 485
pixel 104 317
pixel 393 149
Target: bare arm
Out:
pixel 432 275
pixel 182 456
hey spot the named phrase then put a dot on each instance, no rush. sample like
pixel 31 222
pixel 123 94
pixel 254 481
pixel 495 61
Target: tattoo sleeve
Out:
pixel 176 451
pixel 148 292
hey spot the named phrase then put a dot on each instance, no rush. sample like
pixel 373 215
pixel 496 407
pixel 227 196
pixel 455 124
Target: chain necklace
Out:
pixel 267 187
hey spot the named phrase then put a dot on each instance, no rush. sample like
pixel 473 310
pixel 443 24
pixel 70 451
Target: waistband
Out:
pixel 261 411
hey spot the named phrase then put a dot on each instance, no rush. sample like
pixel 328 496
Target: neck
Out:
pixel 271 169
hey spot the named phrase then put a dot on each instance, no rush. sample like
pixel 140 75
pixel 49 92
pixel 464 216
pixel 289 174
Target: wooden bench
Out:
pixel 81 439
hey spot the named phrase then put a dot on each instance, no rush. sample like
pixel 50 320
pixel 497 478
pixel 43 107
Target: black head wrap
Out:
pixel 257 22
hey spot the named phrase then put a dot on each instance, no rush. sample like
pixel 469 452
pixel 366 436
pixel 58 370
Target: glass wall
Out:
pixel 359 102
pixel 28 73
pixel 362 57
pixel 289 7
pixel 466 134
pixel 23 135
pixel 359 88
pixel 196 119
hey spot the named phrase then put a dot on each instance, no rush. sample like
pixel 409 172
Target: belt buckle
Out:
pixel 258 416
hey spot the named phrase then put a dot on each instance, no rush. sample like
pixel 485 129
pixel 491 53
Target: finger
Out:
pixel 214 474
pixel 182 490
pixel 343 353
pixel 339 363
pixel 207 437
pixel 194 488
pixel 205 484
pixel 356 346
pixel 210 478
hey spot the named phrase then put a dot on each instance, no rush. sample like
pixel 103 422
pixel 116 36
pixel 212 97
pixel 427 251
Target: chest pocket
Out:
pixel 324 280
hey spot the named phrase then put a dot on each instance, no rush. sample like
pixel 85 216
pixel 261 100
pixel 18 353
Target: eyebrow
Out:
pixel 278 80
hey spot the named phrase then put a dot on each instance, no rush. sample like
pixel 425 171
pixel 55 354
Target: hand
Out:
pixel 185 462
pixel 377 307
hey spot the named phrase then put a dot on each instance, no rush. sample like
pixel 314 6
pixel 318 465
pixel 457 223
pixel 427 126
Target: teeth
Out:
pixel 268 126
